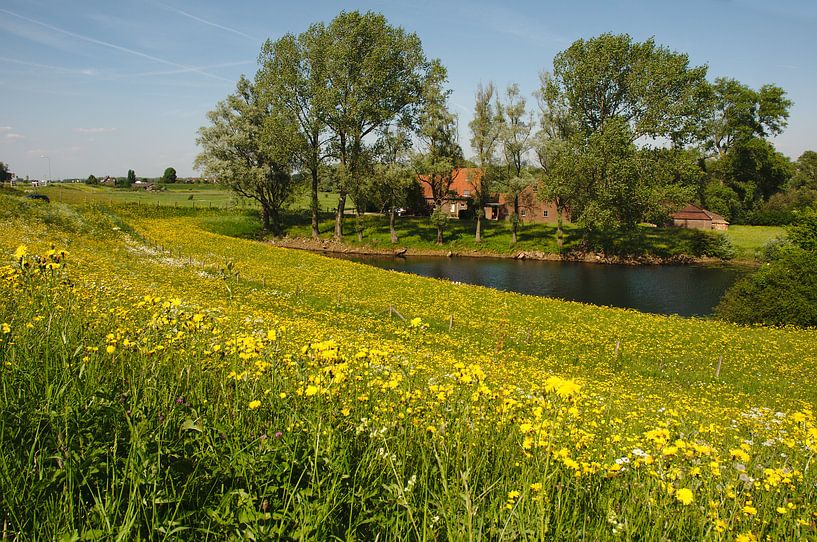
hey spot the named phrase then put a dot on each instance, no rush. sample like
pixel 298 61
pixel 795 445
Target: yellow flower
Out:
pixel 110 349
pixel 537 487
pixel 746 537
pixel 684 496
pixel 749 510
pixel 311 390
pixel 5 328
pixel 739 455
pixel 21 252
pixel 254 404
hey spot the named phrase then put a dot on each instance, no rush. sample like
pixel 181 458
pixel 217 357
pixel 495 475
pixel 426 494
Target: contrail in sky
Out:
pixel 205 21
pixel 113 46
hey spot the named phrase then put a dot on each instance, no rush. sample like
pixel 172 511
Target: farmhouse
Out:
pixel 697 218
pixel 459 203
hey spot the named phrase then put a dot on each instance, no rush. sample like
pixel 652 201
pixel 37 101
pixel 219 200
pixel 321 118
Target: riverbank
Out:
pixel 333 246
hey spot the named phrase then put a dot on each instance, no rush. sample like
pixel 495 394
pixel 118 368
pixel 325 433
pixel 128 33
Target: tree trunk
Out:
pixel 478 237
pixel 339 215
pixel 515 218
pixel 559 233
pixel 275 222
pixel 439 235
pixel 392 231
pixel 359 224
pixel 315 232
pixel 265 216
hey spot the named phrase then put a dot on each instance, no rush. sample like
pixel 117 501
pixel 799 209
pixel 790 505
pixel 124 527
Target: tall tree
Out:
pixel 392 176
pixel 515 138
pixel 738 113
pixel 248 147
pixel 805 175
pixel 293 76
pixel 485 132
pixel 616 92
pixel 654 90
pixel 374 74
pixel 131 178
pixel 441 154
pixel 551 143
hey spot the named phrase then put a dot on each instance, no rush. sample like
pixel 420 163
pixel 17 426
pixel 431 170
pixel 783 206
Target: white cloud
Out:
pixel 12 135
pixel 94 130
pixel 5 128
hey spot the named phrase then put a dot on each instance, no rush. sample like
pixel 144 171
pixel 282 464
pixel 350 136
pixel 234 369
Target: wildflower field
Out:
pixel 162 381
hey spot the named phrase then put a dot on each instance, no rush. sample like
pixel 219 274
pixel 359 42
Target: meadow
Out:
pixel 417 232
pixel 161 380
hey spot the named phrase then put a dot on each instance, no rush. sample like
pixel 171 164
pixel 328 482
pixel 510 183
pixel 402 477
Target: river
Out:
pixel 685 290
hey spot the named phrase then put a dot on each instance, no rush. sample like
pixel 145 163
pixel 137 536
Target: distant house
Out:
pixel 697 218
pixel 459 202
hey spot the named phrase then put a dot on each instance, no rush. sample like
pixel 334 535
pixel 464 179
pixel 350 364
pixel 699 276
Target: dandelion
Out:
pixel 5 328
pixel 21 252
pixel 254 404
pixel 110 349
pixel 311 390
pixel 684 496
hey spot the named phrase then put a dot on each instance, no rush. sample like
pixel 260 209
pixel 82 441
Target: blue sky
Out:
pixel 106 86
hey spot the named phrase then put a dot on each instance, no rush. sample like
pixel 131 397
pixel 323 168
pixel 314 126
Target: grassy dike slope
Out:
pixel 188 384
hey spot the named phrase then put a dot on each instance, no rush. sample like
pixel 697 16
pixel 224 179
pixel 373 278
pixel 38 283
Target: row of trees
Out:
pixel 169 176
pixel 625 131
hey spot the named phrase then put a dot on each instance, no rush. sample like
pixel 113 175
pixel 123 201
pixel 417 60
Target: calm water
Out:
pixel 670 289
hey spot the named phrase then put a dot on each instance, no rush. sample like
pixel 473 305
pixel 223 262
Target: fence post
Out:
pixel 718 370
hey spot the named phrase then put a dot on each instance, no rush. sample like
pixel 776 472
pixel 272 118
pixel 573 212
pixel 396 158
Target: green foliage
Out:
pixel 803 233
pixel 248 147
pixel 782 292
pixel 739 114
pixel 805 175
pixel 653 89
pixel 5 174
pixel 169 176
pixel 92 180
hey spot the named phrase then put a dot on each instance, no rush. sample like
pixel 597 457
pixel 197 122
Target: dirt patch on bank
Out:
pixel 335 247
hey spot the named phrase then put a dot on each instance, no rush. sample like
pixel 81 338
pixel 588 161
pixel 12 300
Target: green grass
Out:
pixel 748 240
pixel 413 232
pixel 120 419
pixel 174 195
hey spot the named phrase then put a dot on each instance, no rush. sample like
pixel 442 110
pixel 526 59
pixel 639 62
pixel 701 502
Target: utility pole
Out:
pixel 49 166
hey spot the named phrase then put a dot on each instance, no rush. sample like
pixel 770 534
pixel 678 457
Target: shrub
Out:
pixel 712 244
pixel 782 292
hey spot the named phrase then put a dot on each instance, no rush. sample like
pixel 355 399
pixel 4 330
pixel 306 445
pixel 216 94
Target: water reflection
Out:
pixel 671 289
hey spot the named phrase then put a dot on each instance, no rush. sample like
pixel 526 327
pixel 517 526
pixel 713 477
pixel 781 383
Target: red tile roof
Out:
pixel 460 183
pixel 693 212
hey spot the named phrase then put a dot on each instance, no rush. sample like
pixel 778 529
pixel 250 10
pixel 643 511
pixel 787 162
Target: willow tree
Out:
pixel 248 147
pixel 485 132
pixel 515 139
pixel 374 75
pixel 292 78
pixel 440 152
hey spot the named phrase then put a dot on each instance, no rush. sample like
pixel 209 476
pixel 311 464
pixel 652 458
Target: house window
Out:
pixel 453 207
pixel 522 212
pixel 466 193
pixel 545 213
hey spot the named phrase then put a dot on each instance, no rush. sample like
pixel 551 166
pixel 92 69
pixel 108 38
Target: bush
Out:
pixel 782 292
pixel 712 244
